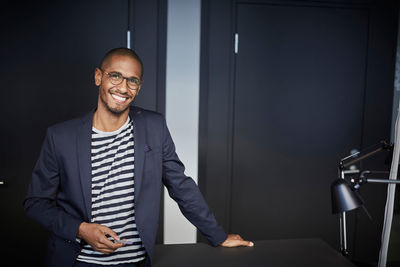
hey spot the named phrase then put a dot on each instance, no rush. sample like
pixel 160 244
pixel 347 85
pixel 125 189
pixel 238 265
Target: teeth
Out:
pixel 118 97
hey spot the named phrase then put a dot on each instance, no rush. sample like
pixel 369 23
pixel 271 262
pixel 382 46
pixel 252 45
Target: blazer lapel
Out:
pixel 84 152
pixel 139 133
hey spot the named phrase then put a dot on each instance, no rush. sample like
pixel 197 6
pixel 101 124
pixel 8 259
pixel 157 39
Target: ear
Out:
pixel 98 74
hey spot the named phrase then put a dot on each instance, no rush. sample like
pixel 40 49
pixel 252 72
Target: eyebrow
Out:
pixel 123 75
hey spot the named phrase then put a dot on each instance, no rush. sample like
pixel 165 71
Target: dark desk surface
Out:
pixel 274 253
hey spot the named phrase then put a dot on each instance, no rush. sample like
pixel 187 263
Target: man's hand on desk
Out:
pixel 234 240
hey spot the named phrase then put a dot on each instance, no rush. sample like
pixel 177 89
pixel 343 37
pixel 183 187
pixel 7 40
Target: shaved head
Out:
pixel 121 51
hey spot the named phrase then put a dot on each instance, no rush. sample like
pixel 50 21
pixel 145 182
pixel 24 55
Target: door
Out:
pixel 298 108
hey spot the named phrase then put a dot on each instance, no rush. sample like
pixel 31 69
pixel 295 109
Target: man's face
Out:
pixel 117 98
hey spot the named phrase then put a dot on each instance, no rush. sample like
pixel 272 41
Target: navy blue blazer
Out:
pixel 59 195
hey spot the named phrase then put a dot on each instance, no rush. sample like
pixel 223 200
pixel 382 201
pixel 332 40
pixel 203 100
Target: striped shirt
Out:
pixel 112 156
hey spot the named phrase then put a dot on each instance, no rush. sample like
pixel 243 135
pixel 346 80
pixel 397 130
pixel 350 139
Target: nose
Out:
pixel 124 85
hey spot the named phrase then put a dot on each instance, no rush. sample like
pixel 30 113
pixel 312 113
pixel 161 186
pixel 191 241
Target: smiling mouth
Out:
pixel 119 98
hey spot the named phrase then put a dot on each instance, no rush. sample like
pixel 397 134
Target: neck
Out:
pixel 108 122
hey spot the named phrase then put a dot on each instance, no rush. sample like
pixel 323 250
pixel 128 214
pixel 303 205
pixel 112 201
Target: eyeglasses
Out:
pixel 117 78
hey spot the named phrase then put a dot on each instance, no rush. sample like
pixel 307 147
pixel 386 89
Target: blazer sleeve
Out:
pixel 40 203
pixel 186 193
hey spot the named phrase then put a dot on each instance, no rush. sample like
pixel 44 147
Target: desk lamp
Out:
pixel 344 194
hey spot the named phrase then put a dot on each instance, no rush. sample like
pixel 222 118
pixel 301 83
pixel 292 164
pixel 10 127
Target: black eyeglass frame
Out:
pixel 114 82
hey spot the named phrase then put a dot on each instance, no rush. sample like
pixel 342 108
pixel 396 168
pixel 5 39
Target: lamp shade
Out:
pixel 343 198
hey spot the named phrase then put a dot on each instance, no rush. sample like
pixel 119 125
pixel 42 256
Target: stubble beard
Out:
pixel 114 111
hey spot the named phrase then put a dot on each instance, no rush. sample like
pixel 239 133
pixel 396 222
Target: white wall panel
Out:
pixel 182 104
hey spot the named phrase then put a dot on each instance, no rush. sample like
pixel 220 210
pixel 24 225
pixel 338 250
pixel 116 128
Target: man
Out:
pixel 97 183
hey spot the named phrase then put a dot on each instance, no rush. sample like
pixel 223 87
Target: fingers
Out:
pixel 106 249
pixel 96 236
pixel 108 244
pixel 238 243
pixel 247 244
pixel 110 232
pixel 235 240
pixel 105 243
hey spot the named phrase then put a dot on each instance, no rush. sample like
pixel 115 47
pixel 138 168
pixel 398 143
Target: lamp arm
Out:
pixel 384 146
pixel 381 181
pixel 361 158
pixel 364 179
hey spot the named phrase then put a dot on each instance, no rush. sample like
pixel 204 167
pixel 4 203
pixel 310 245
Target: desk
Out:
pixel 274 253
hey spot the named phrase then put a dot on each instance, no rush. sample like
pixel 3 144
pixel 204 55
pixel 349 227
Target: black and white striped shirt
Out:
pixel 112 158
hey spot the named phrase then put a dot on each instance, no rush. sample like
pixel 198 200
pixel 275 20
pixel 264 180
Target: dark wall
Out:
pixel 220 109
pixel 149 27
pixel 49 51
